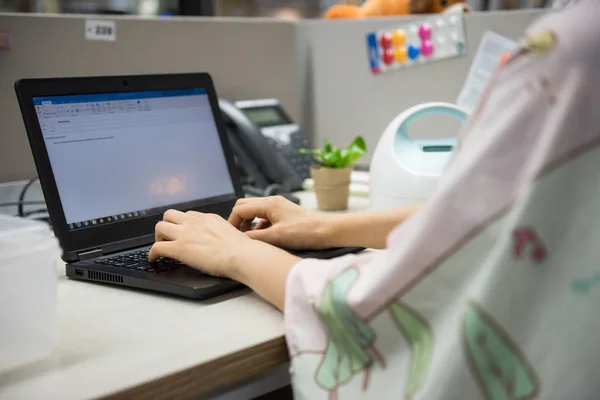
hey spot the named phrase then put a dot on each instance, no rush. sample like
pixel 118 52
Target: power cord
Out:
pixel 20 211
pixel 23 203
pixel 34 214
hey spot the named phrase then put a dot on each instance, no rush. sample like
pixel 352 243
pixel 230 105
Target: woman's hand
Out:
pixel 202 241
pixel 282 223
pixel 287 225
pixel 209 243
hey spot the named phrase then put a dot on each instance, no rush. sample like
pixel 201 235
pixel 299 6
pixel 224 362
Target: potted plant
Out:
pixel 331 174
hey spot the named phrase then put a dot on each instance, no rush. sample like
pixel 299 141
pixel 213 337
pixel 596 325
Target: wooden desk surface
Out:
pixel 121 344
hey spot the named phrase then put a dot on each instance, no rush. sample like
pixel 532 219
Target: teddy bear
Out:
pixel 379 8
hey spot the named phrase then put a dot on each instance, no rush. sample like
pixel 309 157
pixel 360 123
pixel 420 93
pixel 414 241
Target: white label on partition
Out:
pixel 101 30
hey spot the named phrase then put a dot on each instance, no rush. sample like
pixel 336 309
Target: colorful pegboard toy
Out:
pixel 417 42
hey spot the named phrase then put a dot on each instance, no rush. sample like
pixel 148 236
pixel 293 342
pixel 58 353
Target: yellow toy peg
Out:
pixel 399 37
pixel 400 54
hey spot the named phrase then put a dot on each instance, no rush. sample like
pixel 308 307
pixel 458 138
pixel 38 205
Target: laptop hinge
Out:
pixel 90 254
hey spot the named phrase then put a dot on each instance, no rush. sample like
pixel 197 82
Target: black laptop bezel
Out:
pixel 129 233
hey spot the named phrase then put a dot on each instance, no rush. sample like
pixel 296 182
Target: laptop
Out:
pixel 113 154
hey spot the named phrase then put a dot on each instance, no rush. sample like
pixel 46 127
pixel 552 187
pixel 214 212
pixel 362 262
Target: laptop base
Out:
pixel 183 281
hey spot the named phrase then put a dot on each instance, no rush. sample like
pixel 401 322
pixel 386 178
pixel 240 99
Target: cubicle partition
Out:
pixel 347 99
pixel 318 69
pixel 247 58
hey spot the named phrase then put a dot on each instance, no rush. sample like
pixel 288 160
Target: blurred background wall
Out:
pixel 290 9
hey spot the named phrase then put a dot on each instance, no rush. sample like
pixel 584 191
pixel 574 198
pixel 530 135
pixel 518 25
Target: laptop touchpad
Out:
pixel 187 276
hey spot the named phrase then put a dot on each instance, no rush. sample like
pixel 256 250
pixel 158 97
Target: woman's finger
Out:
pixel 248 211
pixel 163 249
pixel 174 216
pixel 263 224
pixel 264 235
pixel 167 231
pixel 246 225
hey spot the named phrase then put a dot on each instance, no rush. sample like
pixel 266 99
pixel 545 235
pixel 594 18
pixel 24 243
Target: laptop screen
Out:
pixel 119 156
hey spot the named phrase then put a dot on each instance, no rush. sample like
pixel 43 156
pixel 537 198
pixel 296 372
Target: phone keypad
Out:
pixel 301 163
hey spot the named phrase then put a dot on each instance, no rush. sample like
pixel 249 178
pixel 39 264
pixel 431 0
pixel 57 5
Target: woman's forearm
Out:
pixel 264 269
pixel 366 229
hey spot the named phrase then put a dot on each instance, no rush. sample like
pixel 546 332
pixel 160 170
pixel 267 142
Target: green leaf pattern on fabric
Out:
pixel 420 340
pixel 349 337
pixel 502 371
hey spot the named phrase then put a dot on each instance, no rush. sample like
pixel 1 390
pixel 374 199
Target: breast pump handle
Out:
pixel 424 109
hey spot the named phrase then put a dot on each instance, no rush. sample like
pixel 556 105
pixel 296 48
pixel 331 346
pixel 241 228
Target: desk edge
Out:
pixel 208 377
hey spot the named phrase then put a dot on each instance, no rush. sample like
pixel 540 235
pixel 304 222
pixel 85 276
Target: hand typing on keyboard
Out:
pixel 210 244
pixel 282 223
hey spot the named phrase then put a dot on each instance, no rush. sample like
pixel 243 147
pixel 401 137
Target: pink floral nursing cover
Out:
pixel 492 291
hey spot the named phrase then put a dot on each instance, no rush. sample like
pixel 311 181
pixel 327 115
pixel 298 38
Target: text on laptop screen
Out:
pixel 117 156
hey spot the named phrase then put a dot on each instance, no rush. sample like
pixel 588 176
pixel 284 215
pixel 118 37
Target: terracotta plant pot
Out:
pixel 332 187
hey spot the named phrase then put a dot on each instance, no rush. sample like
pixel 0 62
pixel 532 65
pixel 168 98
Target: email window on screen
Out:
pixel 119 152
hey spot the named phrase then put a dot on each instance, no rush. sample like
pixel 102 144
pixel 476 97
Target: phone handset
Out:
pixel 269 170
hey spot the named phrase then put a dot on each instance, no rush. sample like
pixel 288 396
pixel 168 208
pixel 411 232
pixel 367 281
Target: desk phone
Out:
pixel 266 141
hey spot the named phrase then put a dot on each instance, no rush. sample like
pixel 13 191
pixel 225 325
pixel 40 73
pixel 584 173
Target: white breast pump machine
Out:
pixel 405 171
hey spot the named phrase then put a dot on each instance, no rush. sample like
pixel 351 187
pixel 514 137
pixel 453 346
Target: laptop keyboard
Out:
pixel 138 260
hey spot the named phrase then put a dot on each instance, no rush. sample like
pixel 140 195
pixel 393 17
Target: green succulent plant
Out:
pixel 330 157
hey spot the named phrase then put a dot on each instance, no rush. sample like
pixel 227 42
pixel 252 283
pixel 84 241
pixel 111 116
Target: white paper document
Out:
pixel 492 47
